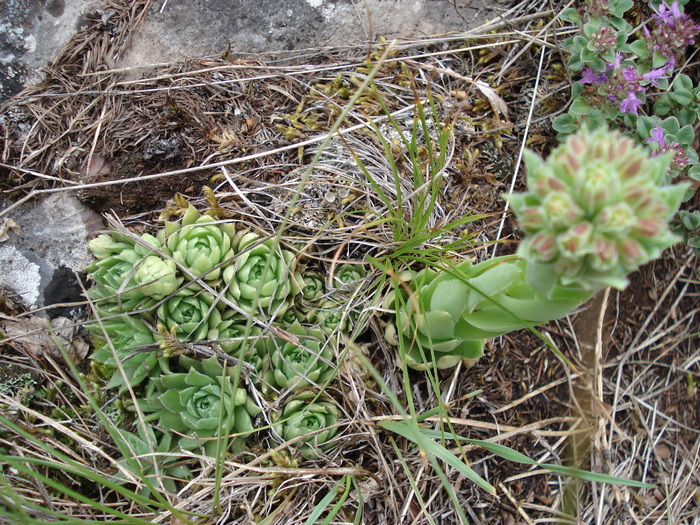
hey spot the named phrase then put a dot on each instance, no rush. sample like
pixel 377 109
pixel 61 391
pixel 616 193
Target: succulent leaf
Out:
pixel 303 360
pixel 190 314
pixel 199 243
pixel 201 404
pixel 262 276
pixel 128 335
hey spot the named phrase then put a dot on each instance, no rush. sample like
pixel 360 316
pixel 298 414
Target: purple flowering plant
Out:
pixel 629 77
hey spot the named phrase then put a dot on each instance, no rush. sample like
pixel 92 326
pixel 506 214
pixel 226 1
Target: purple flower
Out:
pixel 657 135
pixel 630 104
pixel 630 74
pixel 654 75
pixel 616 63
pixel 668 15
pixel 588 76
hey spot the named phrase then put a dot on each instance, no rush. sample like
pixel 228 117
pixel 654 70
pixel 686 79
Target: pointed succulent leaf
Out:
pixel 262 276
pixel 312 421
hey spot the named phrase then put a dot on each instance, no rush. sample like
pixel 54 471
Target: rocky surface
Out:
pixel 31 33
pixel 45 247
pixel 176 29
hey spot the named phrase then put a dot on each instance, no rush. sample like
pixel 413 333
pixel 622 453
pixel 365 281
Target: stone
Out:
pixel 50 246
pixel 174 30
pixel 31 33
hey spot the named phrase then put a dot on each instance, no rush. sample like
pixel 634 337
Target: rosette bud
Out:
pixel 312 421
pixel 156 277
pixel 614 217
pixel 312 287
pixel 232 332
pixel 199 243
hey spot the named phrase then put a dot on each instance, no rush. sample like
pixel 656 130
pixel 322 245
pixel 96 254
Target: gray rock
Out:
pixel 176 29
pixel 31 33
pixel 52 241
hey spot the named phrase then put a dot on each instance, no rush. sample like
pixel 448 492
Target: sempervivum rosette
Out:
pixel 128 335
pixel 595 211
pixel 200 404
pixel 302 358
pixel 157 277
pixel 309 418
pixel 118 258
pixel 189 315
pixel 199 243
pixel 262 277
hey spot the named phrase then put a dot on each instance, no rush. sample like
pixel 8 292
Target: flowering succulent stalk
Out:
pixel 199 243
pixel 200 404
pixel 314 420
pixel 262 277
pixel 595 211
pixel 447 314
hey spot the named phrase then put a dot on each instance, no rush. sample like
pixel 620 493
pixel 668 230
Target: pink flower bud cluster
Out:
pixel 595 210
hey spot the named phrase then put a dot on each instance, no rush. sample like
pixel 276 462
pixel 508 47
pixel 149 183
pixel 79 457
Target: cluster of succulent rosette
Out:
pixel 199 281
pixel 594 212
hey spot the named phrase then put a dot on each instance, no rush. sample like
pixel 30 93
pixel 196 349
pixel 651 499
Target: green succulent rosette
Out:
pixel 300 360
pixel 149 459
pixel 262 276
pixel 199 243
pixel 232 332
pixel 128 335
pixel 297 314
pixel 156 277
pixel 200 404
pixel 313 420
pixel 348 277
pixel 594 211
pixel 189 315
pixel 312 287
pixel 117 260
pixel 331 316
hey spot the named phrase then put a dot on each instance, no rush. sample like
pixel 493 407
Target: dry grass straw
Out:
pixel 624 405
